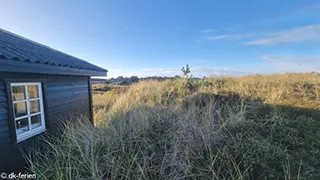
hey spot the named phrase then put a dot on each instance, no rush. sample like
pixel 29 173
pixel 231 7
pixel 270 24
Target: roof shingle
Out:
pixel 14 47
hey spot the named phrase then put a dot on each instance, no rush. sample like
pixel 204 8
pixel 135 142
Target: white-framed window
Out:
pixel 28 109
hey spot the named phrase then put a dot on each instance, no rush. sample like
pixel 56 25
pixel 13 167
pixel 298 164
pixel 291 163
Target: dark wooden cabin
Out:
pixel 39 88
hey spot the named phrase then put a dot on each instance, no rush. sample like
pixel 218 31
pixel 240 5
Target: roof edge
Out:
pixel 17 66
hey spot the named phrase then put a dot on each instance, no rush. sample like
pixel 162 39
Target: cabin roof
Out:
pixel 16 48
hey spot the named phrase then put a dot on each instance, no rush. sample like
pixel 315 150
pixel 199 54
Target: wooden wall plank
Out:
pixel 64 95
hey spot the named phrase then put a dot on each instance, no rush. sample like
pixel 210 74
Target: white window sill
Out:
pixel 28 135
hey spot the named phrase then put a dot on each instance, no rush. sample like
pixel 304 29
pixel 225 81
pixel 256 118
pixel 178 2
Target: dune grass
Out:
pixel 254 127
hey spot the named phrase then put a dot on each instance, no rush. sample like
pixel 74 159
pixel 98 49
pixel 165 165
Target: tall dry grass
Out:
pixel 298 90
pixel 294 89
pixel 255 127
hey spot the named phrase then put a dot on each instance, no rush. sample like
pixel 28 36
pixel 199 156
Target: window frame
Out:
pixel 42 106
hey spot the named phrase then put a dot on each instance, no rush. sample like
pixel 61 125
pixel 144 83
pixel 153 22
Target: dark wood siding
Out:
pixel 67 96
pixel 4 123
pixel 64 96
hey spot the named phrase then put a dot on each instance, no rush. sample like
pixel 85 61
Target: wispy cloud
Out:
pixel 283 67
pixel 114 73
pixel 115 70
pixel 230 29
pixel 227 37
pixel 281 64
pixel 208 31
pixel 305 33
pixel 290 59
pixel 200 72
pixel 268 67
pixel 196 72
pixel 235 28
pixel 199 61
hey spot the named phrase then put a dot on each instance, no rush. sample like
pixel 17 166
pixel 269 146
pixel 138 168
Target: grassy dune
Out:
pixel 254 127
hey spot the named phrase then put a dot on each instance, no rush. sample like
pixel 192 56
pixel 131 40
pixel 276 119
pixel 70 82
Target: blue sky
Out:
pixel 149 37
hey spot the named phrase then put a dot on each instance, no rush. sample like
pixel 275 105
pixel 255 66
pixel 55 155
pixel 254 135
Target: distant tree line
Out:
pixel 120 80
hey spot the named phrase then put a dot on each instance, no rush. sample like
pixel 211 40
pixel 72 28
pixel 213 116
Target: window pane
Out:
pixel 18 93
pixel 22 125
pixel 36 121
pixel 33 91
pixel 20 109
pixel 34 106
